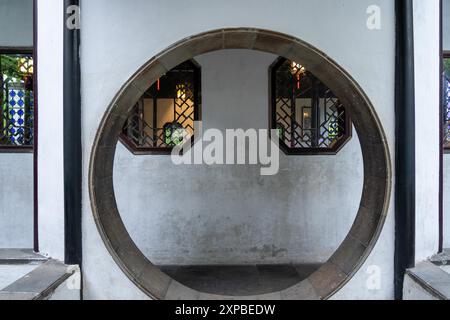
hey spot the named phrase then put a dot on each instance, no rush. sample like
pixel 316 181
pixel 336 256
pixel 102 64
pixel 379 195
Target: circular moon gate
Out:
pixel 366 229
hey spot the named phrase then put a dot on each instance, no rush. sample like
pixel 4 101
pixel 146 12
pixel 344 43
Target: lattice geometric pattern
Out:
pixel 184 105
pixel 166 113
pixel 141 133
pixel 305 112
pixel 447 113
pixel 16 101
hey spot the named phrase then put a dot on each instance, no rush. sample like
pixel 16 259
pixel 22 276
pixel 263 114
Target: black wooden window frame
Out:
pixel 139 150
pixel 15 148
pixel 445 102
pixel 273 121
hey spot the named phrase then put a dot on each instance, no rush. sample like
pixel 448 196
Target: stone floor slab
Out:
pixel 40 282
pixel 20 256
pixel 244 280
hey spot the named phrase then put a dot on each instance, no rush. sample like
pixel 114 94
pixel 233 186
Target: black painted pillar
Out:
pixel 405 197
pixel 72 134
pixel 441 130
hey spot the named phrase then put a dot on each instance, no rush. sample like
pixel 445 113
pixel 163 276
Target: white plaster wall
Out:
pixel 446 201
pixel 50 152
pixel 16 170
pixel 446 44
pixel 231 214
pixel 426 38
pixel 16 200
pixel 427 64
pixel 118 37
pixel 446 24
pixel 16 23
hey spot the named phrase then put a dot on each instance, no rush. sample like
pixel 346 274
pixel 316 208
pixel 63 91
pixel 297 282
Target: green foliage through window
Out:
pixel 447 67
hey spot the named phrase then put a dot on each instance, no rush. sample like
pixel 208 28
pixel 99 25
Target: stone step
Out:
pixel 427 282
pixel 43 282
pixel 20 256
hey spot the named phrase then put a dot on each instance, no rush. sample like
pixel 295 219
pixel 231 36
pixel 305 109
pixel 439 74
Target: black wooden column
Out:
pixel 441 130
pixel 405 192
pixel 35 130
pixel 72 139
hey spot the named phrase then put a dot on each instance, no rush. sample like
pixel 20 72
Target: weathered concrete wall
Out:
pixel 446 24
pixel 446 40
pixel 427 64
pixel 16 23
pixel 447 201
pixel 16 200
pixel 112 28
pixel 231 214
pixel 16 170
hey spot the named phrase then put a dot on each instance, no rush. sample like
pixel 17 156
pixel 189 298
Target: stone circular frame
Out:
pixel 360 241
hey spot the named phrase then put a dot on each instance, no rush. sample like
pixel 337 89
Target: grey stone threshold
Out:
pixel 442 259
pixel 432 279
pixel 20 256
pixel 240 280
pixel 40 283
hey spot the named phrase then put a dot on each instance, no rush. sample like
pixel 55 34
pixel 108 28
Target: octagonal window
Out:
pixel 166 113
pixel 308 117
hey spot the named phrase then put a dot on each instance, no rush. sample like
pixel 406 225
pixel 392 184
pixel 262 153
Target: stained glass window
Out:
pixel 446 101
pixel 165 114
pixel 308 117
pixel 16 101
